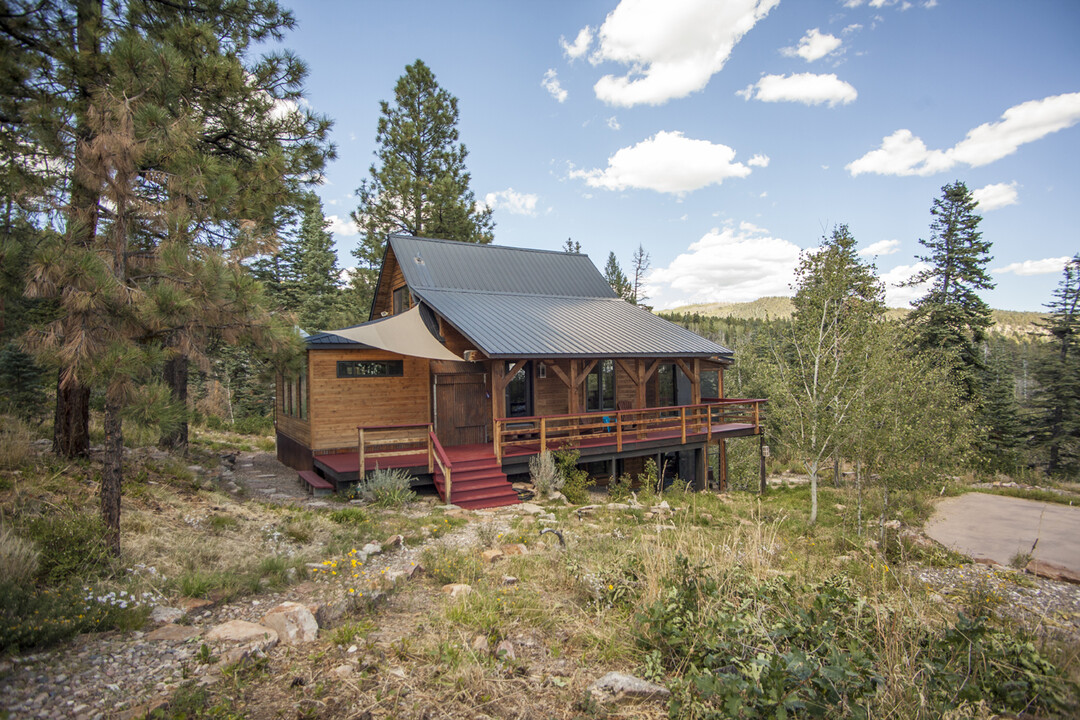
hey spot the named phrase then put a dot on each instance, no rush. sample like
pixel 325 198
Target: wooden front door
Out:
pixel 462 408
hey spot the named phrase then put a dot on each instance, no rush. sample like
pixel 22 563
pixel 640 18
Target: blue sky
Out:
pixel 727 136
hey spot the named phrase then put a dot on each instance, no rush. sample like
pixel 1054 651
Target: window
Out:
pixel 665 385
pixel 401 300
pixel 370 368
pixel 519 391
pixel 294 396
pixel 710 383
pixel 600 387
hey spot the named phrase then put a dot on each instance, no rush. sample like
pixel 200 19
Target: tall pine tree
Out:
pixel 952 317
pixel 617 278
pixel 1056 430
pixel 418 185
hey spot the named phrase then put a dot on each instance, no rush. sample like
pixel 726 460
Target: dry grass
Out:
pixel 16 441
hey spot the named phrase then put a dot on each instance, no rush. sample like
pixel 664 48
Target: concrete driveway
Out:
pixel 999 528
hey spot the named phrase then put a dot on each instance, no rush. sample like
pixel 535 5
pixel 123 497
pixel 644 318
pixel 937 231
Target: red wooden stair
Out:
pixel 477 479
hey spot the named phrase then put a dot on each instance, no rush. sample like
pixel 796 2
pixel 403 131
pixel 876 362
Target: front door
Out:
pixel 462 408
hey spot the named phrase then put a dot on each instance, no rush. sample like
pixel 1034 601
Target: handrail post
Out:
pixel 361 472
pixel 498 440
pixel 449 486
pixel 757 417
pixel 430 453
pixel 708 423
pixel 682 422
pixel 543 435
pixel 618 431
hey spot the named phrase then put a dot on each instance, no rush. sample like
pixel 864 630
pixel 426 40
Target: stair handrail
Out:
pixel 442 460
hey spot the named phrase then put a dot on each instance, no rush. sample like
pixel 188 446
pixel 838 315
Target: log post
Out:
pixel 761 452
pixel 361 469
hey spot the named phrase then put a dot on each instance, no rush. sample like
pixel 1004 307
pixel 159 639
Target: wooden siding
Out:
pixel 390 279
pixel 455 341
pixel 339 405
pixel 550 395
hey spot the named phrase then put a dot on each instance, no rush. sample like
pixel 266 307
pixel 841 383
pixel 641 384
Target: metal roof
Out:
pixel 514 325
pixel 451 265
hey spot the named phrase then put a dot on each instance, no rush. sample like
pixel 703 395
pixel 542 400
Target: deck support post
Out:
pixel 722 464
pixel 361 471
pixel 763 486
pixel 701 473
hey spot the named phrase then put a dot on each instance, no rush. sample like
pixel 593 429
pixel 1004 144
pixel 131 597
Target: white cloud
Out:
pixel 613 123
pixel 807 88
pixel 666 162
pixel 814 45
pixel 672 47
pixel 344 227
pixel 726 266
pixel 512 201
pixel 580 45
pixel 853 27
pixel 896 296
pixel 551 84
pixel 1035 267
pixel 998 195
pixel 881 247
pixel 902 153
pixel 758 160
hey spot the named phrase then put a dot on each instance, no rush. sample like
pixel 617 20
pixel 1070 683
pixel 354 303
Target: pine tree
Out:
pixel 616 278
pixel 419 185
pixel 952 317
pixel 1057 370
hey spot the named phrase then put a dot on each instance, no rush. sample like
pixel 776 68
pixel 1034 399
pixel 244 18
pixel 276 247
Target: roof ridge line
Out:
pixel 492 245
pixel 517 294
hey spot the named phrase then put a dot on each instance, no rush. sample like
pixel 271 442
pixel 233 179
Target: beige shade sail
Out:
pixel 404 334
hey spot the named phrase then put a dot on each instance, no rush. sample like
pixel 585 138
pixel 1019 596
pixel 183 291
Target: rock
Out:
pixel 557 496
pixel 662 507
pixel 509 580
pixel 396 672
pixel 242 631
pixel 618 506
pixel 515 549
pixel 173 633
pixel 371 549
pixel 587 510
pixel 985 561
pixel 393 541
pixel 293 622
pixel 618 686
pixel 490 556
pixel 892 525
pixel 527 521
pixel 530 509
pixel 164 614
pixel 241 655
pixel 840 507
pixel 343 671
pixel 457 589
pixel 480 644
pixel 195 468
pixel 505 651
pixel 1052 571
pixel 189 604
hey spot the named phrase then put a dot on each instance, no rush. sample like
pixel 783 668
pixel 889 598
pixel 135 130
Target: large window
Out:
pixel 370 368
pixel 600 387
pixel 665 385
pixel 519 391
pixel 294 397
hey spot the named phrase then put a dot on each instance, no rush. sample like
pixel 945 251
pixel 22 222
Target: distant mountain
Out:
pixel 1011 323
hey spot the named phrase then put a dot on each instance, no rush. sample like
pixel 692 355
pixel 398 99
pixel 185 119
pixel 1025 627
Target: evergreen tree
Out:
pixel 952 317
pixel 1057 370
pixel 1000 415
pixel 616 278
pixel 817 361
pixel 571 246
pixel 419 185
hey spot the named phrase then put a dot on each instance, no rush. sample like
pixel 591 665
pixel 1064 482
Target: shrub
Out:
pixel 72 545
pixel 545 475
pixel 387 488
pixel 18 557
pixel 575 480
pixel 620 489
pixel 15 443
pixel 35 618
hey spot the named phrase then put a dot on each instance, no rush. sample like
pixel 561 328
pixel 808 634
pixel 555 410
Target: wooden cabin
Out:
pixel 478 357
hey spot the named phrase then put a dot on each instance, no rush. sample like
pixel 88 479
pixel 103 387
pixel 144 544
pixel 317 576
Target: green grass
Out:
pixel 1046 496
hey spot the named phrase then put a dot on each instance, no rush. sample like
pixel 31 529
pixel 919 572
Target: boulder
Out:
pixel 515 549
pixel 529 508
pixel 490 556
pixel 190 604
pixel 1051 571
pixel 480 645
pixel 393 541
pixel 457 589
pixel 293 622
pixel 164 614
pixel 371 549
pixel 241 631
pixel 343 672
pixel 615 687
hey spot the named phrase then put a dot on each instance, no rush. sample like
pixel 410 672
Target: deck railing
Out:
pixel 440 458
pixel 617 427
pixel 384 441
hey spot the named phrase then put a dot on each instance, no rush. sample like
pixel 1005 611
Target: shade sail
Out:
pixel 404 334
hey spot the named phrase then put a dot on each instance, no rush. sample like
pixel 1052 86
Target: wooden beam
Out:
pixel 630 373
pixel 558 372
pixel 720 382
pixel 585 371
pixel 571 400
pixel 505 380
pixel 497 387
pixel 652 368
pixel 695 387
